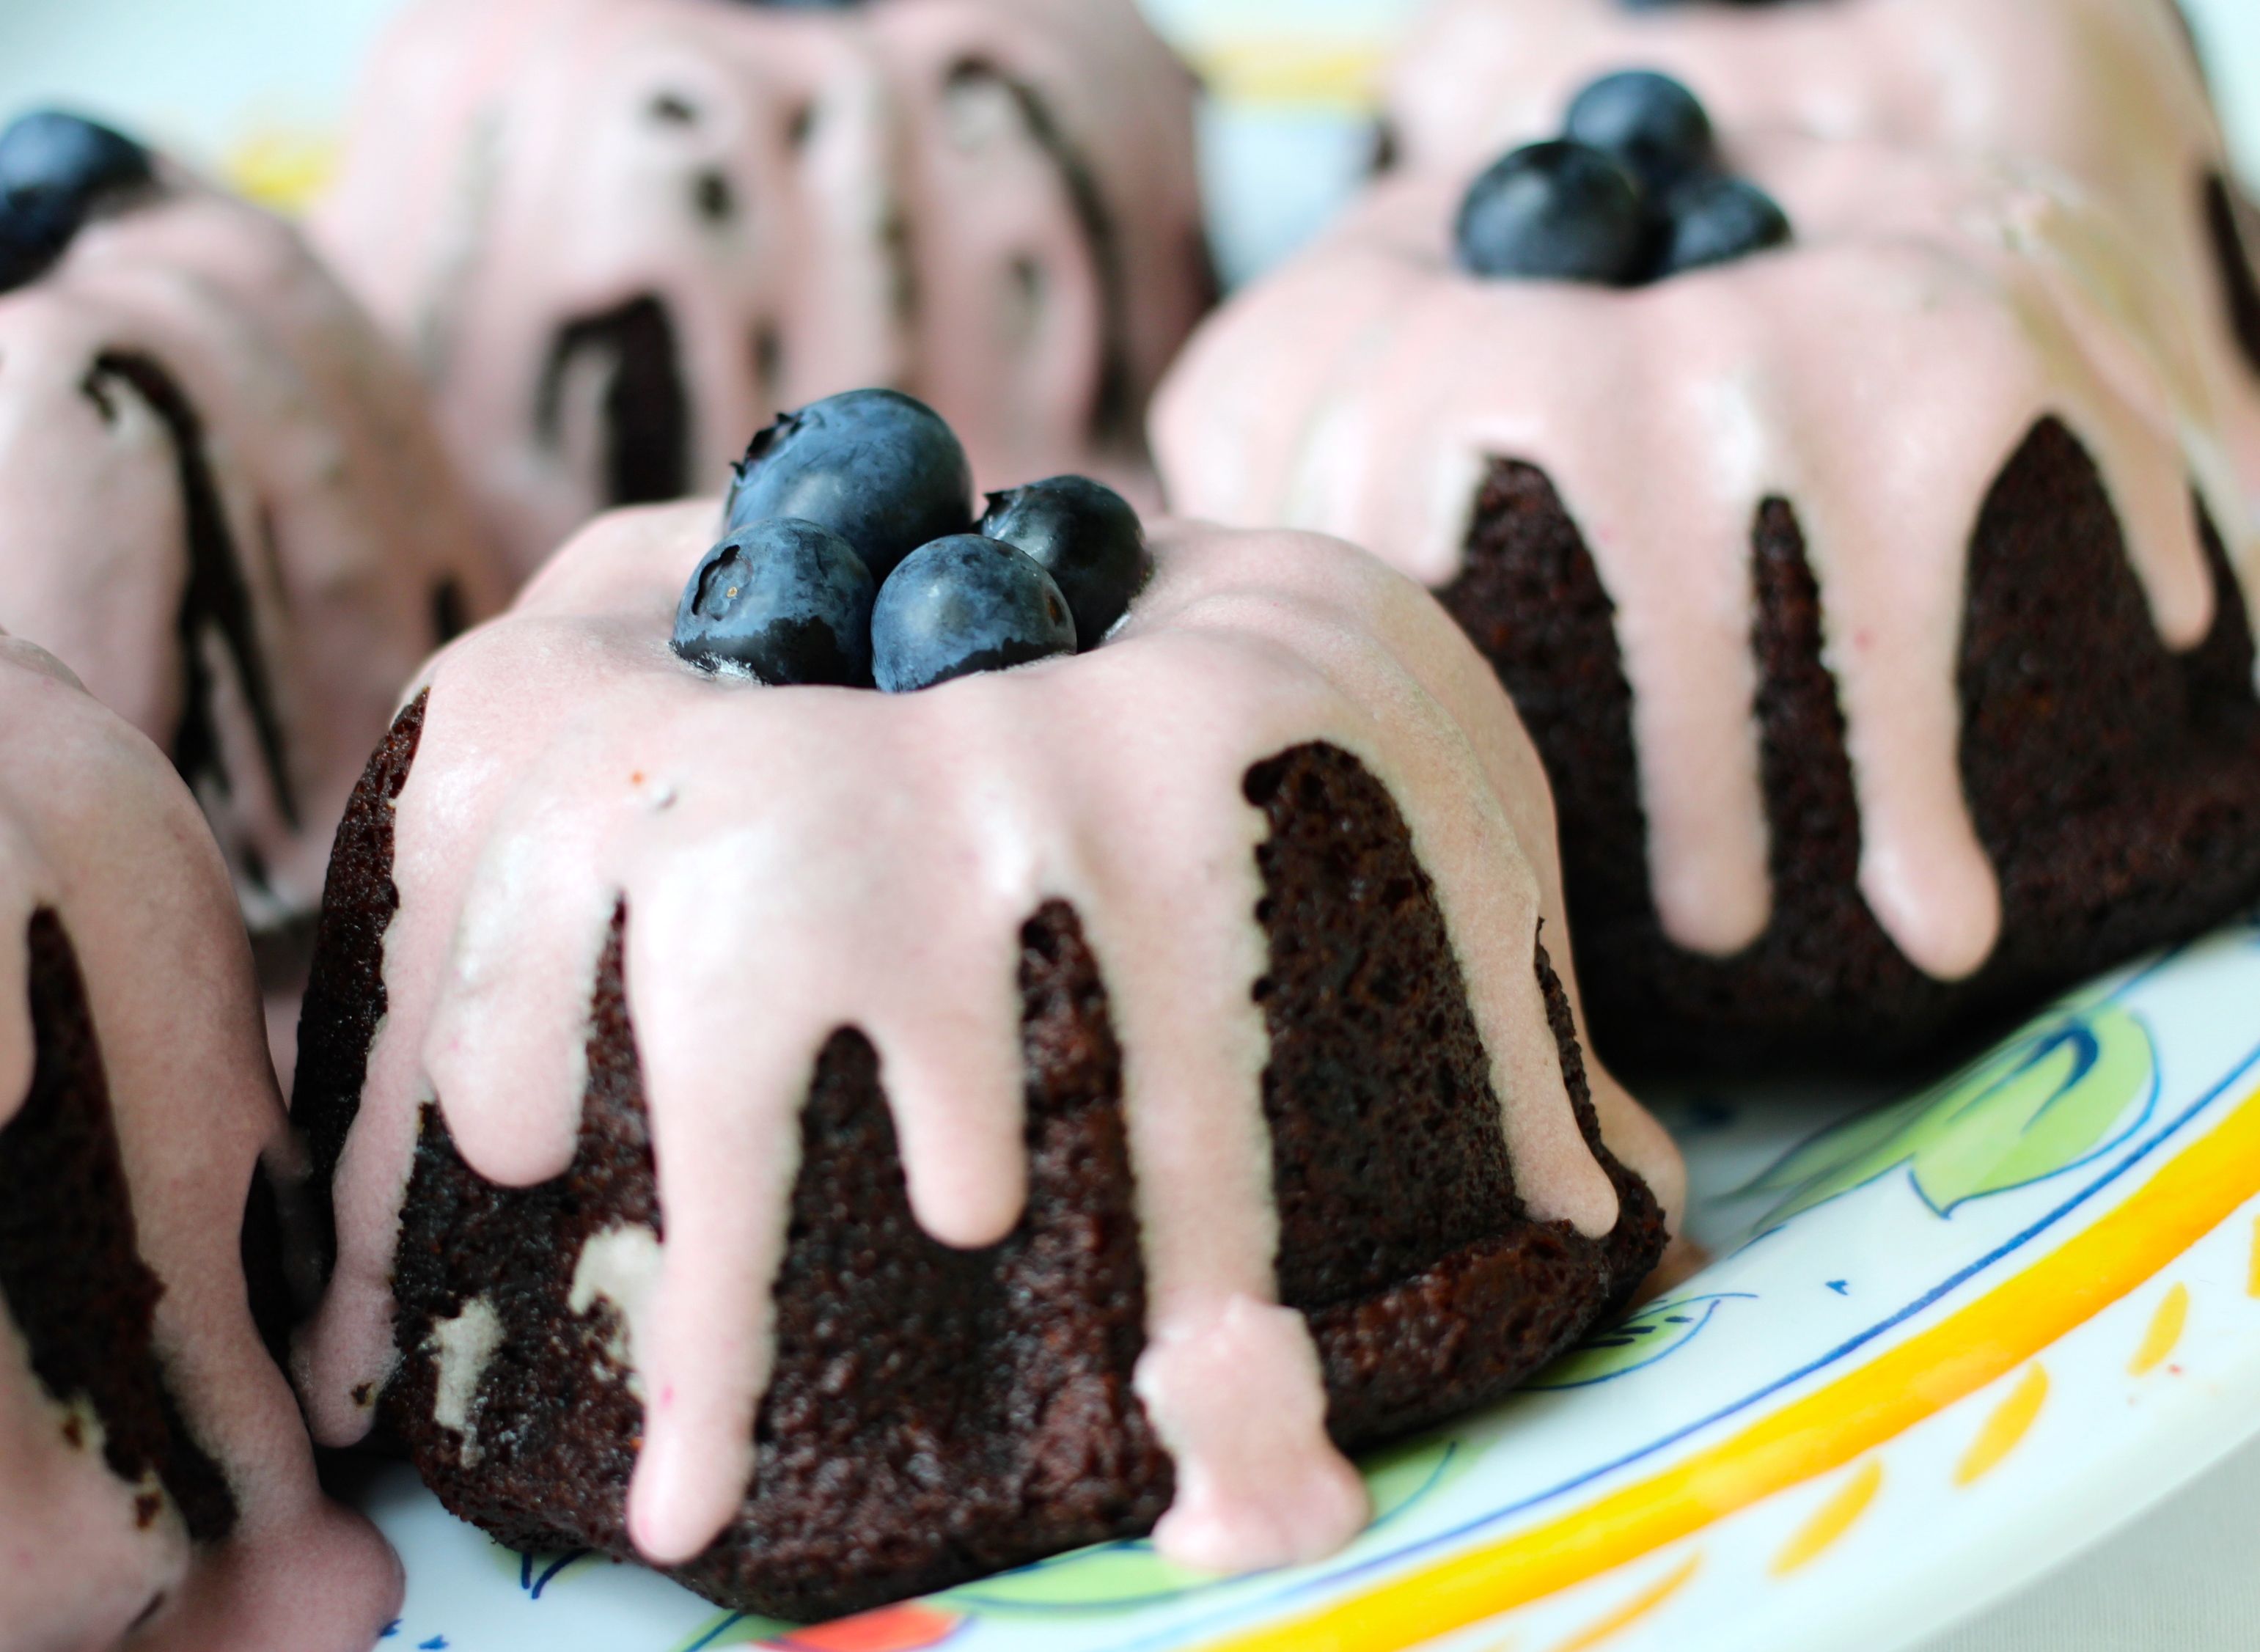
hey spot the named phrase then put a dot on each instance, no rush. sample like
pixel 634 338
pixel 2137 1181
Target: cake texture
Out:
pixel 157 1487
pixel 1879 603
pixel 228 512
pixel 2108 94
pixel 618 234
pixel 834 1144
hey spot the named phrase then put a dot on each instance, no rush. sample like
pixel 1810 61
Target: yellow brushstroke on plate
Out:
pixel 1339 75
pixel 2252 1281
pixel 1645 1604
pixel 282 168
pixel 2006 1429
pixel 1836 1517
pixel 2165 1334
pixel 2189 1197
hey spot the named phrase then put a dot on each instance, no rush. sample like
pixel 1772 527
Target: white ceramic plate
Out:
pixel 1945 1345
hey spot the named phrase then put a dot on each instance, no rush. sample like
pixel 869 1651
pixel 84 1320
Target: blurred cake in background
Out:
pixel 620 234
pixel 157 1488
pixel 1851 524
pixel 225 508
pixel 2110 93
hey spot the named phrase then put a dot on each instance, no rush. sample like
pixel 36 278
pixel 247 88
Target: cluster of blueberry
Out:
pixel 851 558
pixel 1631 193
pixel 55 169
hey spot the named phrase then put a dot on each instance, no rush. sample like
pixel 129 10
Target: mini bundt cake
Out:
pixel 834 1143
pixel 1874 588
pixel 620 234
pixel 227 509
pixel 2108 92
pixel 157 1487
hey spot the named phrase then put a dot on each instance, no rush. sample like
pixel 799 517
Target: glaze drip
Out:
pixel 1879 374
pixel 1112 782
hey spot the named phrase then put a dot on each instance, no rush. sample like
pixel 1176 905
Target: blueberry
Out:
pixel 1083 533
pixel 965 604
pixel 881 470
pixel 1653 126
pixel 787 602
pixel 1716 220
pixel 1556 211
pixel 54 169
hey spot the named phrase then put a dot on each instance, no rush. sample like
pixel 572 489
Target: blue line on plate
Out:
pixel 716 1632
pixel 556 1567
pixel 1331 1582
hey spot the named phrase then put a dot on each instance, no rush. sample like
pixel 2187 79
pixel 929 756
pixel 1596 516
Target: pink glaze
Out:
pixel 518 165
pixel 168 978
pixel 2105 91
pixel 841 858
pixel 1878 374
pixel 343 510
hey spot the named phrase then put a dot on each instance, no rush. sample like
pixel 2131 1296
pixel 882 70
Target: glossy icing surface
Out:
pixel 226 509
pixel 990 203
pixel 169 979
pixel 1878 374
pixel 568 764
pixel 2108 92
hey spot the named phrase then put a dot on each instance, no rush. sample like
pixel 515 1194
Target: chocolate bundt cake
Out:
pixel 1879 602
pixel 2108 93
pixel 157 1488
pixel 834 1144
pixel 225 509
pixel 621 233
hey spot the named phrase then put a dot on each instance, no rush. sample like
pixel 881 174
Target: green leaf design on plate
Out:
pixel 734 1629
pixel 1112 1574
pixel 1657 1331
pixel 2048 1100
pixel 1116 1576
